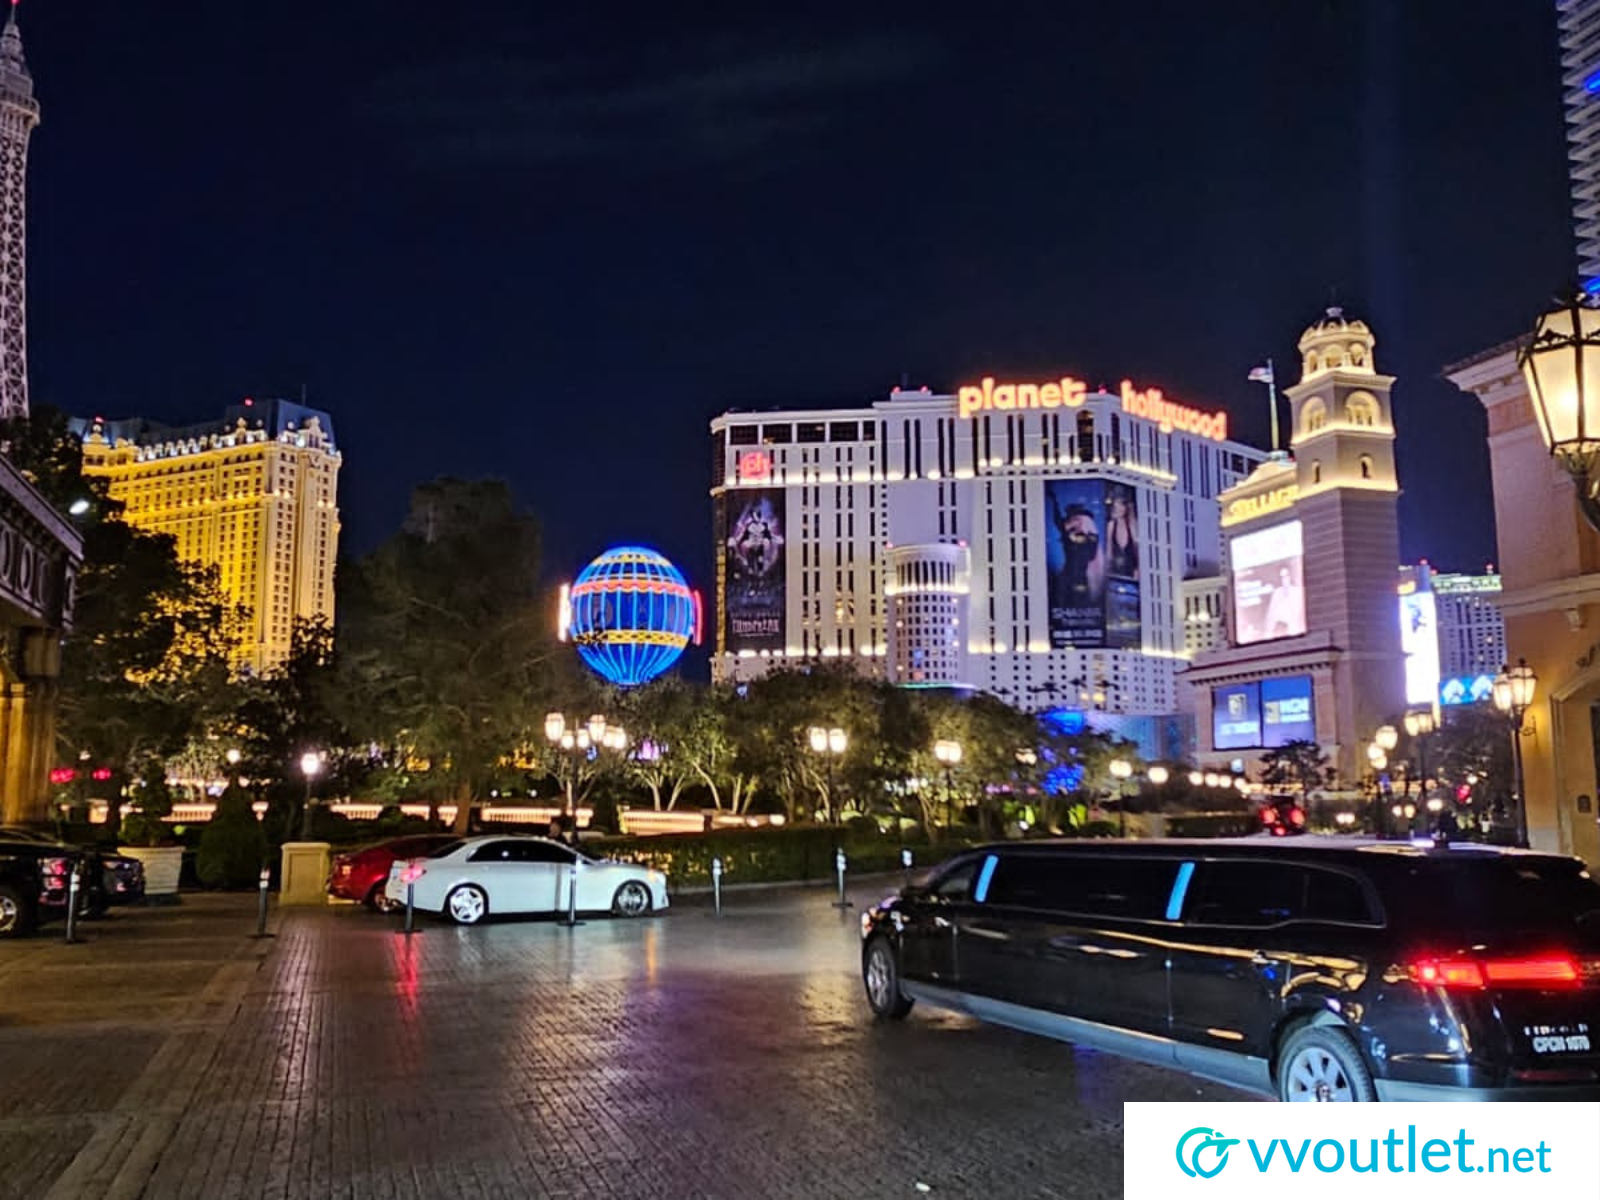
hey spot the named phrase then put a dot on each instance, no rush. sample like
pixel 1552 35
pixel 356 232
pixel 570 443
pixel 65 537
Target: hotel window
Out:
pixel 844 431
pixel 811 431
pixel 774 434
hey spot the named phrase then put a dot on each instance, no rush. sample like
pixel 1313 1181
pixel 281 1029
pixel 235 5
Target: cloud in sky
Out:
pixel 713 101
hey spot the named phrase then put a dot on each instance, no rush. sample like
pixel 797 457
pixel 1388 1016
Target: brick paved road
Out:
pixel 675 1056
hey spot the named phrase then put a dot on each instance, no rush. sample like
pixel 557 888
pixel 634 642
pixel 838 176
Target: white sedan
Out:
pixel 470 879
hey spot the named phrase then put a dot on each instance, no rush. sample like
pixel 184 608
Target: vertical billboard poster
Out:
pixel 1269 595
pixel 1236 717
pixel 1092 564
pixel 1286 712
pixel 753 601
pixel 1419 642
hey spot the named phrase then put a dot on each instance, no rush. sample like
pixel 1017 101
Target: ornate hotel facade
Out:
pixel 1029 540
pixel 255 494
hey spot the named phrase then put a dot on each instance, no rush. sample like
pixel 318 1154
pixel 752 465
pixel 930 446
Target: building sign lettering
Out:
pixel 1247 507
pixel 1149 403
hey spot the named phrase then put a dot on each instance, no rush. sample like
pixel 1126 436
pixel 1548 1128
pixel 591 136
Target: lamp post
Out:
pixel 1121 770
pixel 1513 696
pixel 1561 364
pixel 577 742
pixel 830 743
pixel 1419 724
pixel 310 767
pixel 948 752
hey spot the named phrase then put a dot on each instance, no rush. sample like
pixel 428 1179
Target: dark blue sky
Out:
pixel 496 239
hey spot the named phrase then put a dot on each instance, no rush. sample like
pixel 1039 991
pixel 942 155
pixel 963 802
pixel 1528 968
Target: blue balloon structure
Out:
pixel 631 614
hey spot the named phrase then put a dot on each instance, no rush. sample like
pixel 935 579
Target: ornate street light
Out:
pixel 1121 770
pixel 1158 775
pixel 830 743
pixel 1513 696
pixel 575 740
pixel 1387 738
pixel 310 767
pixel 1196 778
pixel 1561 364
pixel 1419 724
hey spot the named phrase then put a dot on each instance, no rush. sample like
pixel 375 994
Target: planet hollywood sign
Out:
pixel 1149 403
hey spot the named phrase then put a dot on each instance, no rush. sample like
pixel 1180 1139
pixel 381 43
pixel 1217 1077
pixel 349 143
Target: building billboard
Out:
pixel 753 570
pixel 1236 717
pixel 1419 642
pixel 1269 595
pixel 1092 564
pixel 1286 712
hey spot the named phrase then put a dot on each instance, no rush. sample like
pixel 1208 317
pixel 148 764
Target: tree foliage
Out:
pixel 1300 765
pixel 446 636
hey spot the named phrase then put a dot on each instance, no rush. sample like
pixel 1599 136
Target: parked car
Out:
pixel 35 879
pixel 109 878
pixel 362 874
pixel 473 878
pixel 1312 968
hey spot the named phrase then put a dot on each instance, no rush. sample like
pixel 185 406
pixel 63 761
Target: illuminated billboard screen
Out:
pixel 753 567
pixel 1466 689
pixel 1419 642
pixel 1286 712
pixel 1269 595
pixel 1092 564
pixel 1236 716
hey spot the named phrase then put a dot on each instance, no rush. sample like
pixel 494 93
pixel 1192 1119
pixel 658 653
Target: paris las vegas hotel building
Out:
pixel 1029 538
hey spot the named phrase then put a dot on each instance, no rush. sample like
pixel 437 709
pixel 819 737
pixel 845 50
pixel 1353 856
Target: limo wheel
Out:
pixel 1322 1065
pixel 881 974
pixel 15 919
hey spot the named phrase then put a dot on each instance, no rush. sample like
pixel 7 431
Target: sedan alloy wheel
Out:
pixel 632 900
pixel 467 905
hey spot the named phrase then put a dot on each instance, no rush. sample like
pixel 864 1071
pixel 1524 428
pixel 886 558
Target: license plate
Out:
pixel 1559 1039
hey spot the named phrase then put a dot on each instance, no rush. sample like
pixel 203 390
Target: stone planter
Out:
pixel 162 866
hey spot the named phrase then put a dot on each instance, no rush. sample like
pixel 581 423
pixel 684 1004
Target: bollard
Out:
pixel 905 861
pixel 571 919
pixel 839 865
pixel 411 907
pixel 72 937
pixel 716 884
pixel 261 903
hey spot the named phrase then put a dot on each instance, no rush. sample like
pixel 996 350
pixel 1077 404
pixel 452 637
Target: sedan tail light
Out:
pixel 1536 971
pixel 412 872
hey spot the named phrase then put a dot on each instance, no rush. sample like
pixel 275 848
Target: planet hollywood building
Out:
pixel 1028 539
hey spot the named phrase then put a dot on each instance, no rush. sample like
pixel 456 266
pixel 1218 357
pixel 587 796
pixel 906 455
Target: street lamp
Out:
pixel 575 740
pixel 1513 696
pixel 1387 738
pixel 948 752
pixel 830 743
pixel 1196 778
pixel 1561 364
pixel 1158 775
pixel 1419 724
pixel 1121 770
pixel 310 767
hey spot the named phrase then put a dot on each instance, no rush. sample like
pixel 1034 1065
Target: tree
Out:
pixel 660 718
pixel 1298 764
pixel 446 635
pixel 148 656
pixel 708 744
pixel 1472 749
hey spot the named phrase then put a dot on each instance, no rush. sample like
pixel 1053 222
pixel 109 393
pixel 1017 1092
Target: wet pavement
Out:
pixel 674 1056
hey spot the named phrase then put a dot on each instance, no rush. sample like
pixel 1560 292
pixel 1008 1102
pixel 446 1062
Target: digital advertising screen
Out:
pixel 753 569
pixel 1092 564
pixel 1286 712
pixel 1269 595
pixel 1419 642
pixel 1236 716
pixel 1466 689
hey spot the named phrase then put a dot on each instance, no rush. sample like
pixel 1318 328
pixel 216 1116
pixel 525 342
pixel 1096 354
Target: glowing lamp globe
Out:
pixel 630 613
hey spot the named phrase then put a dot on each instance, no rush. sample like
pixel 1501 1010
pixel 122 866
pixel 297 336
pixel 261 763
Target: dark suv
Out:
pixel 1314 969
pixel 34 884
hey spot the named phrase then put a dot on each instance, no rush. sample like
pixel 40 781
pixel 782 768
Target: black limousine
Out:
pixel 1314 969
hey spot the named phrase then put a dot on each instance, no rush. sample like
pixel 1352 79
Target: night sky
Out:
pixel 505 238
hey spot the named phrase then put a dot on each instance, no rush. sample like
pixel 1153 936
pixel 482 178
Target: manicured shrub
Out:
pixel 233 845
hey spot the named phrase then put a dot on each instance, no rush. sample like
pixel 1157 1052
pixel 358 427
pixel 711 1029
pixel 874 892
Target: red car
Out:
pixel 361 874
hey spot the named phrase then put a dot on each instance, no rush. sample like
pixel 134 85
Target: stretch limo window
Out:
pixel 1258 894
pixel 1113 886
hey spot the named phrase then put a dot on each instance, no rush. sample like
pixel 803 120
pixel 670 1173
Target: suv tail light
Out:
pixel 1540 971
